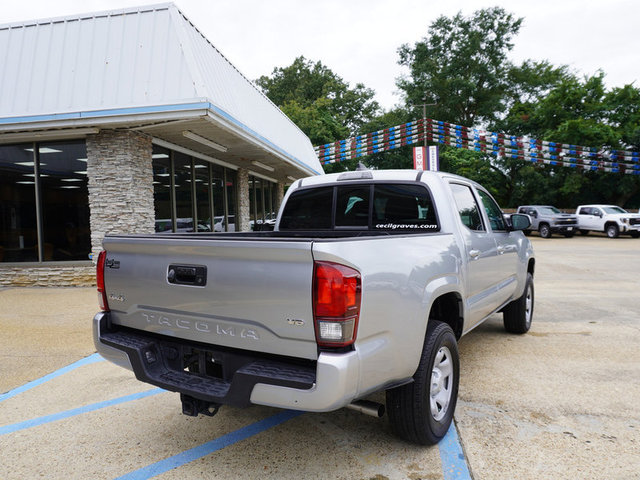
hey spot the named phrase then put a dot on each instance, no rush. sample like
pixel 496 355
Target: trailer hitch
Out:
pixel 193 406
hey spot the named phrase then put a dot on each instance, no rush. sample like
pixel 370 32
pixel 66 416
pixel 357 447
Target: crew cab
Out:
pixel 366 284
pixel 610 219
pixel 548 220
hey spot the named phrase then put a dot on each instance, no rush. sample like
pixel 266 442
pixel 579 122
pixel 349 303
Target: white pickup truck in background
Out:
pixel 365 285
pixel 610 219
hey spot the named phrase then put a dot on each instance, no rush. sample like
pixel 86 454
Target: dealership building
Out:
pixel 129 121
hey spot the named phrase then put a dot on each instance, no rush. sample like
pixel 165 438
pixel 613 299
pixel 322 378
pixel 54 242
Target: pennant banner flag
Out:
pixel 497 144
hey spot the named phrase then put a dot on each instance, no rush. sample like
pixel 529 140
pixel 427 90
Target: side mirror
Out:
pixel 519 221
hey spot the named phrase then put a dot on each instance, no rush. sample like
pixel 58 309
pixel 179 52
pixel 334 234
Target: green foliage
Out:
pixel 462 66
pixel 321 103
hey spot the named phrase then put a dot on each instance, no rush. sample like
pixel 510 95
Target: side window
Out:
pixel 493 211
pixel 467 207
pixel 352 206
pixel 584 211
pixel 308 210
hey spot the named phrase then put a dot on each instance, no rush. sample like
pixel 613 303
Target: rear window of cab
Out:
pixel 383 206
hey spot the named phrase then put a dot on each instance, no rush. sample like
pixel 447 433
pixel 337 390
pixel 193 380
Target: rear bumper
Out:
pixel 243 379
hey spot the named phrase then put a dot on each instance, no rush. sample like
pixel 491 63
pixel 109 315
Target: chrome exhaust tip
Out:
pixel 373 409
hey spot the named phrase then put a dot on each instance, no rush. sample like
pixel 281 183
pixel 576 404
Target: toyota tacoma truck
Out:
pixel 366 284
pixel 548 220
pixel 610 219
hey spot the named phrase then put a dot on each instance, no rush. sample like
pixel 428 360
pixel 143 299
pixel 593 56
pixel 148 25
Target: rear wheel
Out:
pixel 545 230
pixel 421 412
pixel 612 230
pixel 518 314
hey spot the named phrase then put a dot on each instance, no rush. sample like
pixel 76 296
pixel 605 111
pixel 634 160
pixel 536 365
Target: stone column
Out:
pixel 243 215
pixel 279 196
pixel 120 184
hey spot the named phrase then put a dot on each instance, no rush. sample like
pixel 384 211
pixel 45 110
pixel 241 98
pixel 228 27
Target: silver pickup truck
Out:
pixel 366 284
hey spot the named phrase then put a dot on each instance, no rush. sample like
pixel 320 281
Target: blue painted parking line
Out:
pixel 28 386
pixel 454 465
pixel 76 411
pixel 207 448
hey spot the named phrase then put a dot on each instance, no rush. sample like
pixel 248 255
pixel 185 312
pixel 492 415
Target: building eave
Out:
pixel 166 122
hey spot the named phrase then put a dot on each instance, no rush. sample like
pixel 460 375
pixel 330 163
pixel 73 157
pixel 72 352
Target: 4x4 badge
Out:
pixel 295 321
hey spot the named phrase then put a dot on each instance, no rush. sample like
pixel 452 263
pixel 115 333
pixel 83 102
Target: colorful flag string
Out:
pixel 497 144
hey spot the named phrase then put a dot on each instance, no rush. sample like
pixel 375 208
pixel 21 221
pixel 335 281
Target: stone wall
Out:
pixel 47 275
pixel 120 184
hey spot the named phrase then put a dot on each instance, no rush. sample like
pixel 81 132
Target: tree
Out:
pixel 462 66
pixel 581 112
pixel 321 103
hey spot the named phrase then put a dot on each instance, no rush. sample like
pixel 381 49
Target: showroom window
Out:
pixel 192 195
pixel 262 203
pixel 44 202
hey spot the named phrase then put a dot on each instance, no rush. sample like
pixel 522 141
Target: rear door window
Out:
pixel 467 207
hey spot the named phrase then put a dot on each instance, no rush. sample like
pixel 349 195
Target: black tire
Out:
pixel 612 230
pixel 527 232
pixel 584 232
pixel 544 230
pixel 518 314
pixel 421 412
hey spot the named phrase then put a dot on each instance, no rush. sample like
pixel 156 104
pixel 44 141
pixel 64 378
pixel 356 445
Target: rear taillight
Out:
pixel 102 293
pixel 336 303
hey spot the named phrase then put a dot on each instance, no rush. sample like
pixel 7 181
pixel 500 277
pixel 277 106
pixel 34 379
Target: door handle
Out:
pixel 187 275
pixel 474 254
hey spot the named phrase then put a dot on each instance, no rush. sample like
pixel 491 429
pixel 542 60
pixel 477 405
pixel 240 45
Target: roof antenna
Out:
pixel 361 166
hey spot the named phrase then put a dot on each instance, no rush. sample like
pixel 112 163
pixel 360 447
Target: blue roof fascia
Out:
pixel 105 113
pixel 152 109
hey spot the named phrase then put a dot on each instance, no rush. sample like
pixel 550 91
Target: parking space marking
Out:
pixel 34 422
pixel 208 448
pixel 34 383
pixel 454 463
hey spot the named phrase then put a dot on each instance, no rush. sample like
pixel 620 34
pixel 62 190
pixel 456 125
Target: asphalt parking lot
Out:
pixel 562 402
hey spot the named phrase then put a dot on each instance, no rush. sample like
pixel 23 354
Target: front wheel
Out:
pixel 518 314
pixel 612 230
pixel 545 231
pixel 421 412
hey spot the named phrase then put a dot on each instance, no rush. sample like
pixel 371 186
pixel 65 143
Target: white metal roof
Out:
pixel 141 66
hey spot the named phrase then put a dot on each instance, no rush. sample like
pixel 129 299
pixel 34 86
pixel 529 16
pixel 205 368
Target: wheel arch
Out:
pixel 531 266
pixel 609 223
pixel 448 308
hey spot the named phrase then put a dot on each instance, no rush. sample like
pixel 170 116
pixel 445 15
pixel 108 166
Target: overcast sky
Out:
pixel 359 39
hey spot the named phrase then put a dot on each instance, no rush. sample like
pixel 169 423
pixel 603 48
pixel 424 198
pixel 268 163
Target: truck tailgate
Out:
pixel 255 294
